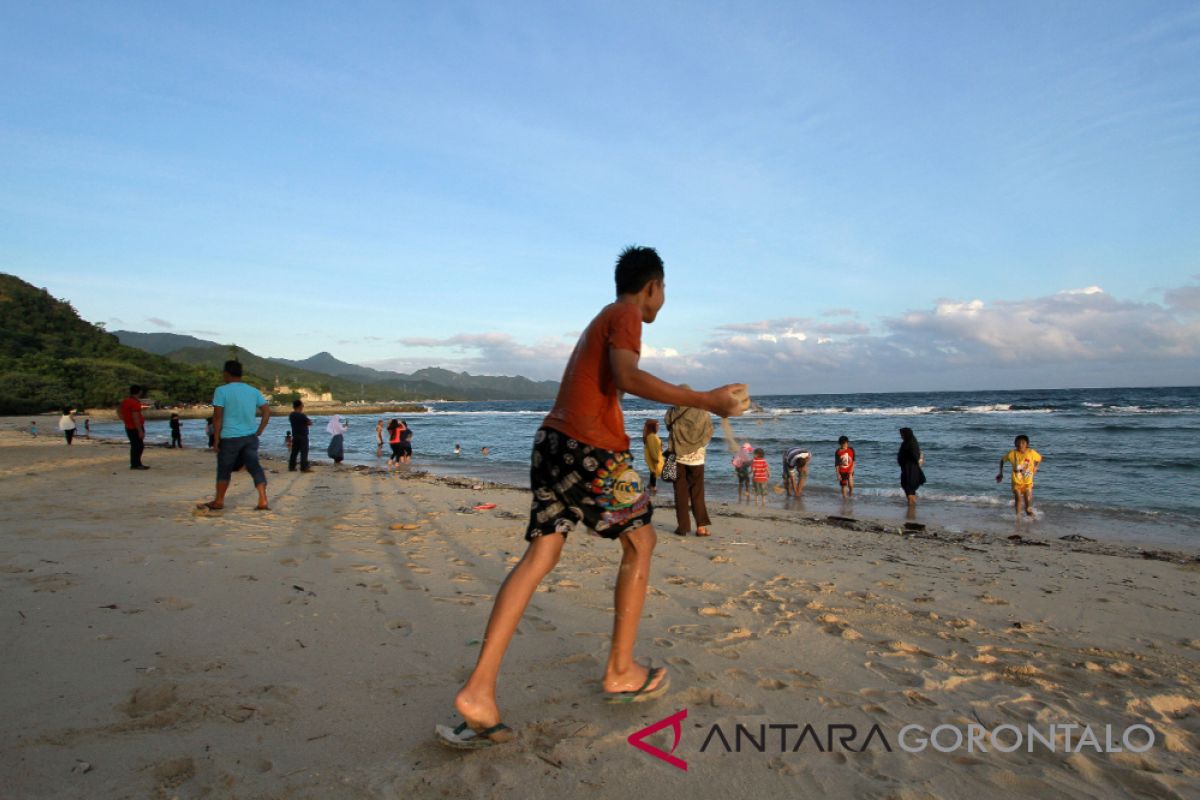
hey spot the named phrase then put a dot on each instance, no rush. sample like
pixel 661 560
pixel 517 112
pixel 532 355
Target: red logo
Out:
pixel 637 739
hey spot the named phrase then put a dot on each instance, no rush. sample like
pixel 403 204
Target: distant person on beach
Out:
pixel 762 474
pixel 130 411
pixel 843 461
pixel 581 472
pixel 396 443
pixel 287 440
pixel 210 432
pixel 176 433
pixel 910 459
pixel 1025 462
pixel 379 437
pixel 337 431
pixel 33 428
pixel 87 428
pixel 690 430
pixel 300 423
pixel 66 424
pixel 483 451
pixel 741 468
pixel 652 452
pixel 406 437
pixel 457 449
pixel 795 470
pixel 235 432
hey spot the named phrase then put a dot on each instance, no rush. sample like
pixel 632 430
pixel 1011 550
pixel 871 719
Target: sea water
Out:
pixel 1118 463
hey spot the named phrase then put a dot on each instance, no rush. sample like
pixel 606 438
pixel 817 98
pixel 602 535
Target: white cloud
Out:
pixel 1077 336
pixel 489 353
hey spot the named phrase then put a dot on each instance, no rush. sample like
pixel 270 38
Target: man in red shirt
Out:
pixel 582 472
pixel 135 426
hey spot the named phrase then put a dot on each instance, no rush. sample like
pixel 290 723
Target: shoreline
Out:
pixel 720 508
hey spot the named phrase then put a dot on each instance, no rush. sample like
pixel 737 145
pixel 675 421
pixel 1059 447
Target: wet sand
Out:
pixel 308 652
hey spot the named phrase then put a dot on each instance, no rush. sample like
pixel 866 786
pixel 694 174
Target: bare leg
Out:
pixel 262 496
pixel 476 701
pixel 621 674
pixel 219 500
pixel 1029 502
pixel 1016 502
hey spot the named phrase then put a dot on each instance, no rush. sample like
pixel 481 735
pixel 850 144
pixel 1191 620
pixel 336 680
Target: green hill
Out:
pixel 50 358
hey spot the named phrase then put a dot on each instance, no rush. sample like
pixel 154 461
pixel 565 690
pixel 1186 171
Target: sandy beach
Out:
pixel 308 651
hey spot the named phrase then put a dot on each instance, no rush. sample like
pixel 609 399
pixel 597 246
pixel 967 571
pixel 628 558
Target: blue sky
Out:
pixel 850 196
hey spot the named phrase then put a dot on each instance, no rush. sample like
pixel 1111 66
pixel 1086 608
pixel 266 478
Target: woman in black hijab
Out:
pixel 910 460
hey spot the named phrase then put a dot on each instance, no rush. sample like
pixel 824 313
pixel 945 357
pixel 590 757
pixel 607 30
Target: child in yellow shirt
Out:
pixel 1025 461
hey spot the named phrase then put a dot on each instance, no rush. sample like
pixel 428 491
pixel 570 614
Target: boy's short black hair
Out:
pixel 636 267
pixel 843 440
pixel 759 452
pixel 135 390
pixel 297 403
pixel 234 368
pixel 1021 438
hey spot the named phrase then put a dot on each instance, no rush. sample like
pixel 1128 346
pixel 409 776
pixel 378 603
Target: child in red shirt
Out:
pixel 843 461
pixel 762 474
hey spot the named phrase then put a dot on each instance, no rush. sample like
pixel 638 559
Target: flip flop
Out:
pixel 643 694
pixel 203 509
pixel 463 737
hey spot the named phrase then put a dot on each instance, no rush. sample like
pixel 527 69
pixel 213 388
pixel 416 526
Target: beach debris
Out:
pixel 82 767
pixel 309 592
pixel 914 526
pixel 110 605
pixel 1017 538
pixel 484 506
pixel 465 510
pixel 1075 537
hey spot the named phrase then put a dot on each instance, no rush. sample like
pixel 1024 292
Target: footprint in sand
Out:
pixel 836 626
pixel 661 642
pixel 289 562
pixel 402 626
pixel 417 568
pixel 173 603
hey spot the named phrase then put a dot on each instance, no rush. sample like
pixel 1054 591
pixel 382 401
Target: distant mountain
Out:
pixel 325 362
pixel 345 380
pixel 50 358
pixel 161 343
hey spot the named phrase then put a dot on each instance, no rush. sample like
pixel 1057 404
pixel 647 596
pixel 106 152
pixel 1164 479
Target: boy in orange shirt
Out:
pixel 582 472
pixel 843 461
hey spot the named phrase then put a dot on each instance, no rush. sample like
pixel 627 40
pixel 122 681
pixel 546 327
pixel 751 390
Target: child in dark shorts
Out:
pixel 581 471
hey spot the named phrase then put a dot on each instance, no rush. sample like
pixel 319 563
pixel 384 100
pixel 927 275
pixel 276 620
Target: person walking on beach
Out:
pixel 87 428
pixel 762 474
pixel 379 437
pixel 581 471
pixel 33 428
pixel 209 431
pixel 1025 462
pixel 795 470
pixel 337 431
pixel 652 452
pixel 300 423
pixel 690 432
pixel 130 411
pixel 910 459
pixel 176 433
pixel 235 434
pixel 66 424
pixel 843 461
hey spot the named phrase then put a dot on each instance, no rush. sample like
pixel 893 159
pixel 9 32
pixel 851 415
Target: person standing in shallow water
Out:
pixel 581 471
pixel 910 459
pixel 176 433
pixel 337 431
pixel 300 423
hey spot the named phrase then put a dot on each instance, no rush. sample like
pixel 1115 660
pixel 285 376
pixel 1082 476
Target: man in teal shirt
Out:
pixel 236 432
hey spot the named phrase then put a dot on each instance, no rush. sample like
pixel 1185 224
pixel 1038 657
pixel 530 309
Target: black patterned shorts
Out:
pixel 574 482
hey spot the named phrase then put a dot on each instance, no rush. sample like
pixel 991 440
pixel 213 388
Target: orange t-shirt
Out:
pixel 588 406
